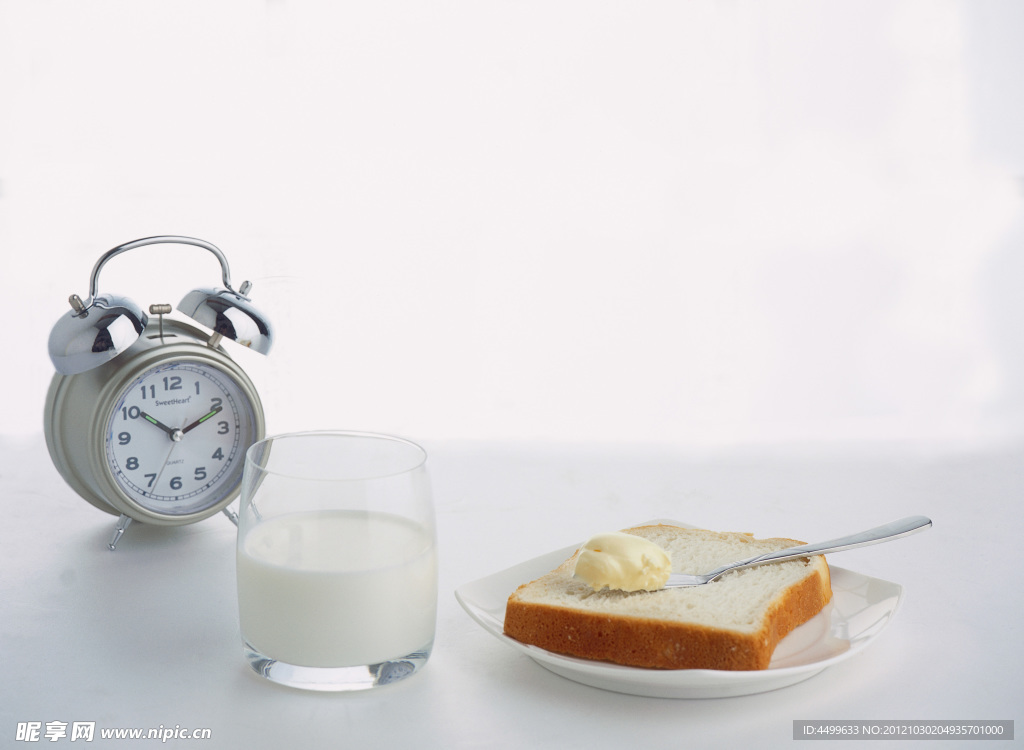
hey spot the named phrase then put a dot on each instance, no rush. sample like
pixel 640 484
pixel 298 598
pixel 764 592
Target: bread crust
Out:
pixel 661 644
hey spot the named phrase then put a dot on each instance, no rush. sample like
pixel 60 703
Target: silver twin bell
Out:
pixel 104 326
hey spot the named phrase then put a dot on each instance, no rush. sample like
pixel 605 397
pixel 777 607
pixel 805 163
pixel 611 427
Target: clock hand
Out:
pixel 153 420
pixel 202 419
pixel 156 482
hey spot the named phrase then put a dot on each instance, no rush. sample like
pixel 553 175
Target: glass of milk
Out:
pixel 336 560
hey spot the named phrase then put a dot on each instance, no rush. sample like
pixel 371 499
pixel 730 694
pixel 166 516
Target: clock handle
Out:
pixel 94 280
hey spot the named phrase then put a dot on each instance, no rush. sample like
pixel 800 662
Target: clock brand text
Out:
pixel 172 401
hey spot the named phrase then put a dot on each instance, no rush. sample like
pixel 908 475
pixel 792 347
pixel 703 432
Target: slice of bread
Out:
pixel 732 623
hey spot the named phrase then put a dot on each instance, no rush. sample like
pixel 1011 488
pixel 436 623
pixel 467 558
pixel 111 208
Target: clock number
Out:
pixel 124 438
pixel 132 463
pixel 172 383
pixel 152 392
pixel 223 428
pixel 200 473
pixel 130 412
pixel 176 483
pixel 197 387
pixel 151 478
pixel 218 455
pixel 215 403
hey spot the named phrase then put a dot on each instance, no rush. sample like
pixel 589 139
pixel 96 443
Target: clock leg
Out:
pixel 232 516
pixel 122 524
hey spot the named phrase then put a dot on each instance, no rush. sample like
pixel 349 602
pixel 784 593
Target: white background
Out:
pixel 695 223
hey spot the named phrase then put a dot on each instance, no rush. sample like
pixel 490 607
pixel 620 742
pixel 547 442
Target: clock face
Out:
pixel 177 437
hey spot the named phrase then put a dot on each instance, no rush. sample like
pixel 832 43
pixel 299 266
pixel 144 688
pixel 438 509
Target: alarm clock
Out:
pixel 148 418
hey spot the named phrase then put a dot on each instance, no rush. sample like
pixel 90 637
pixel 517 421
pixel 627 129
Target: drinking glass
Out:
pixel 336 560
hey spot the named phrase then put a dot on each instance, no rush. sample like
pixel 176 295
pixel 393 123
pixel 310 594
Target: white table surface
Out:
pixel 147 636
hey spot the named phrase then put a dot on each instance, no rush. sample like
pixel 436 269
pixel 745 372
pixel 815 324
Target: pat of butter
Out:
pixel 623 561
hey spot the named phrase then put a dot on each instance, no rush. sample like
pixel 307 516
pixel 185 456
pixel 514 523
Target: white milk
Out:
pixel 337 588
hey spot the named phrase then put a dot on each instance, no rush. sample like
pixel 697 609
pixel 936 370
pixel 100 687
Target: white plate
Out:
pixel 860 609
